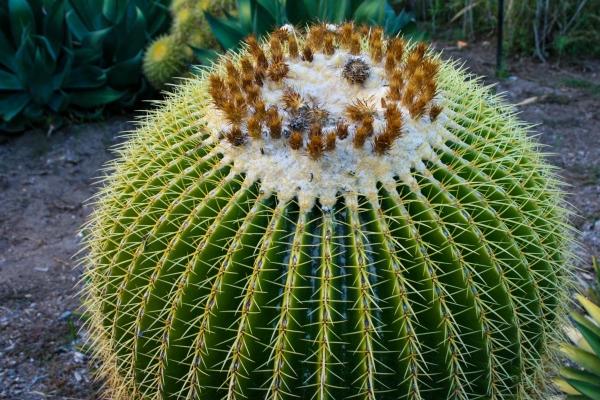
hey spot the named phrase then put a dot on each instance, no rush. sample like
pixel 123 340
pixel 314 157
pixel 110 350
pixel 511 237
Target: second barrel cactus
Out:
pixel 328 215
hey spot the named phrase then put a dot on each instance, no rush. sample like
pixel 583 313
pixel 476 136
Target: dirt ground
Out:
pixel 46 179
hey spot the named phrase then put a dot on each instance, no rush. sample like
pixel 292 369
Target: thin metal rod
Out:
pixel 500 34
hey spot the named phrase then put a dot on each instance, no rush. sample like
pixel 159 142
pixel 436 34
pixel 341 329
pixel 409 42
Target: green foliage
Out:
pixel 72 56
pixel 541 27
pixel 189 30
pixel 582 381
pixel 113 35
pixel 34 64
pixel 259 17
pixel 206 279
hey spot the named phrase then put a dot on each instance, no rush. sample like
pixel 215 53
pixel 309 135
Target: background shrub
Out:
pixel 540 27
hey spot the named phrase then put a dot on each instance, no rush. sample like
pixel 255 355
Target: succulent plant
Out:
pixel 113 36
pixel 35 66
pixel 164 60
pixel 327 215
pixel 258 17
pixel 582 380
pixel 189 30
pixel 71 57
pixel 189 22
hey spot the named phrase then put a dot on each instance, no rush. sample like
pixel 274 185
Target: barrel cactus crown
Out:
pixel 165 58
pixel 328 214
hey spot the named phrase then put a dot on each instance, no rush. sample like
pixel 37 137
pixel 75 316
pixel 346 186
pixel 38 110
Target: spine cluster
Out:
pixel 410 73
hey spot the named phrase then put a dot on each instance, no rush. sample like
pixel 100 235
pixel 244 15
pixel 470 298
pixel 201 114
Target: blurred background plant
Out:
pixel 580 377
pixel 257 17
pixel 543 28
pixel 72 57
pixel 170 56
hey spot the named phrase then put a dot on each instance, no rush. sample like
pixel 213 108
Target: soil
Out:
pixel 45 180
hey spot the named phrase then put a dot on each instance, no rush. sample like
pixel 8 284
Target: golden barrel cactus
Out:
pixel 329 214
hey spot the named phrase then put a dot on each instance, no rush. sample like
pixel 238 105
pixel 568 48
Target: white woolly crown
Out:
pixel 335 112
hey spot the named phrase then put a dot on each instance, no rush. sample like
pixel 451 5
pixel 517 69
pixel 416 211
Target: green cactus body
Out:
pixel 168 57
pixel 328 216
pixel 190 24
pixel 165 59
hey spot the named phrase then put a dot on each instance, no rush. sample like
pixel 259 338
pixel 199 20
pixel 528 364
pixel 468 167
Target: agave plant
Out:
pixel 35 64
pixel 61 57
pixel 112 35
pixel 257 17
pixel 582 381
pixel 329 215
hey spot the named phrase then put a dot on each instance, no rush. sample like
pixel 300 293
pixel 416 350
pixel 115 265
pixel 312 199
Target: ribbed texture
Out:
pixel 202 286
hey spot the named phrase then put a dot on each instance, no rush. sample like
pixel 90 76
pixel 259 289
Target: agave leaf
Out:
pixel 590 390
pixel 21 19
pixel 274 8
pixel 205 56
pixel 43 42
pixel 65 65
pixel 24 60
pixel 225 34
pixel 403 22
pixel 88 33
pixel 96 98
pixel 85 77
pixel 125 73
pixel 58 102
pixel 130 97
pixel 86 56
pixel 9 82
pixel 87 12
pixel 114 10
pixel 335 11
pixel 263 22
pixel 75 25
pixel 564 386
pixel 585 359
pixel 33 111
pixel 7 52
pixel 302 11
pixel 54 24
pixel 40 76
pixel 95 39
pixel 135 28
pixel 371 12
pixel 157 16
pixel 12 104
pixel 579 375
pixel 592 309
pixel 589 331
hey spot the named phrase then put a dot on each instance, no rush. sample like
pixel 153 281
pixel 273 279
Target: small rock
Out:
pixel 71 157
pixel 78 357
pixel 64 316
